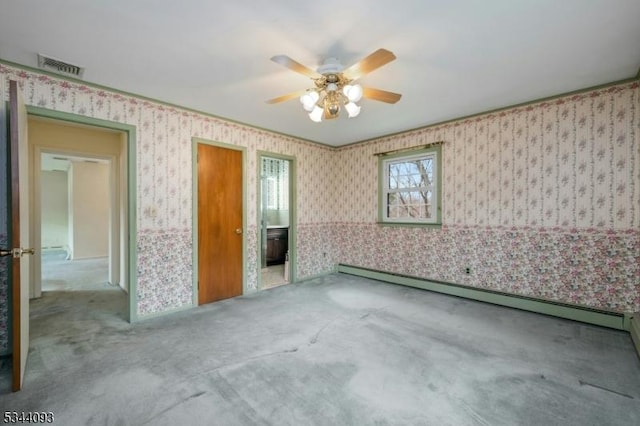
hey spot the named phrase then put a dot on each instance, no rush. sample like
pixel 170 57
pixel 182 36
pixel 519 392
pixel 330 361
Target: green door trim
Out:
pixel 130 131
pixel 293 218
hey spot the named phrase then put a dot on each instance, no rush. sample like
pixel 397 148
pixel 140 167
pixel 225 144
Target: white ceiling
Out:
pixel 454 58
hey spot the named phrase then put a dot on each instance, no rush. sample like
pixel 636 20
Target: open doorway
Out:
pixel 75 220
pixel 80 212
pixel 276 220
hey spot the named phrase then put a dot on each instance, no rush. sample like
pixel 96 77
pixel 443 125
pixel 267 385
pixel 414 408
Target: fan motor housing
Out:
pixel 330 66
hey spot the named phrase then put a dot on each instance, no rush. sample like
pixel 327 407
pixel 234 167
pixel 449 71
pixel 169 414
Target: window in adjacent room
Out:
pixel 410 187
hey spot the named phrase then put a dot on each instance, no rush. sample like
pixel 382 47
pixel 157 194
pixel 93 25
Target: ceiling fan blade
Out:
pixel 381 95
pixel 372 62
pixel 295 66
pixel 287 97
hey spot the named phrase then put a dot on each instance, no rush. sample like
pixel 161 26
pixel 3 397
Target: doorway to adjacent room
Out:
pixel 276 220
pixel 80 208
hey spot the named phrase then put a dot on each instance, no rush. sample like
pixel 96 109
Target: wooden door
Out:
pixel 17 215
pixel 219 223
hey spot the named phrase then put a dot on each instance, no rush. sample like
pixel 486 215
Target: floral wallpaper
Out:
pixel 164 179
pixel 541 200
pixel 596 268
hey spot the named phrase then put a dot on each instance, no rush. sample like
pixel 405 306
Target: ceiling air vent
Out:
pixel 59 67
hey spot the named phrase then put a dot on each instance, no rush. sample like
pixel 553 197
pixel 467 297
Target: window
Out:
pixel 410 187
pixel 275 175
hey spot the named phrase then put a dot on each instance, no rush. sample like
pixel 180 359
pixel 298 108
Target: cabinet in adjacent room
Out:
pixel 277 245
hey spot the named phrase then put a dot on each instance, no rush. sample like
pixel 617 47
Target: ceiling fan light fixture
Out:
pixel 332 103
pixel 353 92
pixel 333 109
pixel 334 88
pixel 353 110
pixel 316 114
pixel 309 100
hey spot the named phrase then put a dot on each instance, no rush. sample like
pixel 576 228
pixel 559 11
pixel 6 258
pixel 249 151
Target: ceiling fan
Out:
pixel 335 87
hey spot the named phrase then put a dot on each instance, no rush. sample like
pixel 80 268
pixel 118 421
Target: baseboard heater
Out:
pixel 584 314
pixel 634 330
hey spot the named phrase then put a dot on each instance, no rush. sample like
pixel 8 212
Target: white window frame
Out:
pixel 384 161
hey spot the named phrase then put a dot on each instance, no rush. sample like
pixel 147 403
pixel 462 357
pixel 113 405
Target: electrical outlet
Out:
pixel 467 270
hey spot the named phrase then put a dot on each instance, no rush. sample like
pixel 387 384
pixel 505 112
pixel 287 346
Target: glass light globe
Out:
pixel 309 100
pixel 353 92
pixel 316 114
pixel 352 109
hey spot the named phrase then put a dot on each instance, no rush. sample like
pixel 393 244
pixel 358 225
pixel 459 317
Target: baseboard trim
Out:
pixel 169 311
pixel 584 314
pixel 314 276
pixel 634 330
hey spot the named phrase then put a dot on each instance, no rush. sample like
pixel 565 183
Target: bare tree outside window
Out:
pixel 410 189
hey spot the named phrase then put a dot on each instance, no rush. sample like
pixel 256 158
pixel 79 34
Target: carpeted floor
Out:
pixel 335 350
pixel 60 274
pixel 272 276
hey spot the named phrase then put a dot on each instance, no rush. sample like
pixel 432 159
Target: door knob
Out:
pixel 238 230
pixel 4 252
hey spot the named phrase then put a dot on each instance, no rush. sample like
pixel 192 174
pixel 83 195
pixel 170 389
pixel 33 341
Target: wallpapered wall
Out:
pixel 164 183
pixel 541 200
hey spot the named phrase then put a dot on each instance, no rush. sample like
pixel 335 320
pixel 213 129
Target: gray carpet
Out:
pixel 60 274
pixel 336 350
